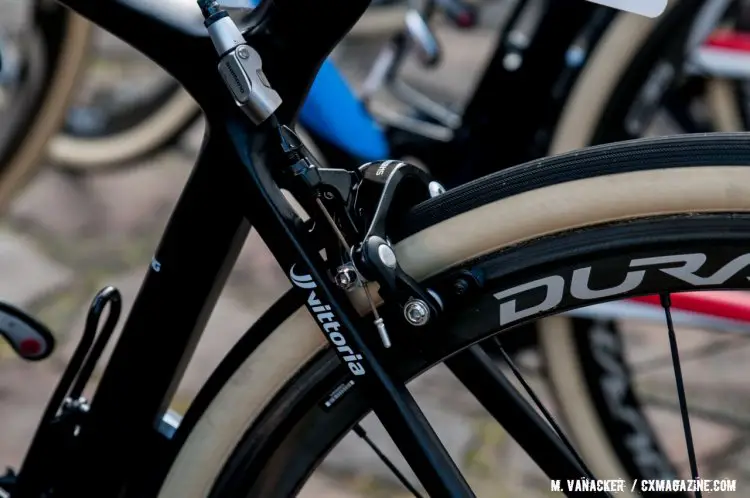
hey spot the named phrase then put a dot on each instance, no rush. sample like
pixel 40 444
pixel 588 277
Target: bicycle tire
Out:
pixel 165 119
pixel 65 37
pixel 686 180
pixel 594 116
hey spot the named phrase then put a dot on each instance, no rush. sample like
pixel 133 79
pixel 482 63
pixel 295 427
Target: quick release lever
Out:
pixel 240 66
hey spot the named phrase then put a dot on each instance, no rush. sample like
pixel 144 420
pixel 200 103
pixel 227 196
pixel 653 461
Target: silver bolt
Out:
pixel 243 52
pixel 346 277
pixel 416 312
pixel 435 189
pixel 387 256
pixel 512 61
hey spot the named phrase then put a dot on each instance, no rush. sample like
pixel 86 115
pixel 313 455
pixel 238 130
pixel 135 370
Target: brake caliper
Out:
pixel 387 190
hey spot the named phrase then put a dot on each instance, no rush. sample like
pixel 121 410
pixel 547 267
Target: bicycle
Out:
pixel 589 383
pixel 240 434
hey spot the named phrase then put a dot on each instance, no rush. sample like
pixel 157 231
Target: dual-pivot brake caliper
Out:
pixel 360 207
pixel 357 205
pixel 387 189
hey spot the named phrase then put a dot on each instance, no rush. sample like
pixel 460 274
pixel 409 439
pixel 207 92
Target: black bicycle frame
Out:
pixel 513 112
pixel 232 186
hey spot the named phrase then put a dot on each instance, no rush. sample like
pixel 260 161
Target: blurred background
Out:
pixel 74 228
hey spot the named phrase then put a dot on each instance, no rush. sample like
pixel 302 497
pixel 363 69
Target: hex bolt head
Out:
pixel 346 277
pixel 416 312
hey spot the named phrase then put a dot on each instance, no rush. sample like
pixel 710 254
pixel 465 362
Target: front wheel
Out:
pixel 633 85
pixel 557 234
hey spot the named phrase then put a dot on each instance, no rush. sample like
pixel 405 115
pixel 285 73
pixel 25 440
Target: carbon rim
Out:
pixel 297 429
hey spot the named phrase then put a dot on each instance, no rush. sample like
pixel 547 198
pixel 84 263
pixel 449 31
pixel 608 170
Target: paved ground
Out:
pixel 66 237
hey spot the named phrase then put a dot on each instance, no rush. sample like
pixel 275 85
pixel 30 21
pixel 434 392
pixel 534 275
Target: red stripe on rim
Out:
pixel 733 305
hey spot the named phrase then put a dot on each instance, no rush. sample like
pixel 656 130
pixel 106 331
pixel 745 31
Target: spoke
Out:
pixel 517 416
pixel 359 431
pixel 540 406
pixel 666 302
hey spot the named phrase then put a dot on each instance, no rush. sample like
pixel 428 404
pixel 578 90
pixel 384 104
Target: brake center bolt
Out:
pixel 387 256
pixel 416 312
pixel 346 277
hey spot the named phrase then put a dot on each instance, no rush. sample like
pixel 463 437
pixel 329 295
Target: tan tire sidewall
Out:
pixel 574 204
pixel 576 130
pixel 90 154
pixel 28 159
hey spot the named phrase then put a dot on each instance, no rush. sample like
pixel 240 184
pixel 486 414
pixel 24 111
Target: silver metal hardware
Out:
pixel 422 38
pixel 225 35
pixel 379 324
pixel 526 25
pixel 388 116
pixel 380 72
pixel 576 55
pixel 522 32
pixel 169 423
pixel 235 4
pixel 346 277
pixel 241 69
pixel 243 52
pixel 387 256
pixel 512 61
pixel 435 189
pixel 416 312
pixel 418 100
pixel 81 404
pixel 383 75
pixel 385 339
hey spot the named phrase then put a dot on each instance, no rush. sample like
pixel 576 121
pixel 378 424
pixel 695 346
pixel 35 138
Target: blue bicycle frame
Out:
pixel 333 112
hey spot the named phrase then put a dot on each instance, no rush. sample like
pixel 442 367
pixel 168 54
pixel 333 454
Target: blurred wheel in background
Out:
pixel 42 48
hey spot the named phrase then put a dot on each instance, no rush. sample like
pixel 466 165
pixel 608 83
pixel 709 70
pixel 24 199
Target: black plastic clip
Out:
pixel 82 363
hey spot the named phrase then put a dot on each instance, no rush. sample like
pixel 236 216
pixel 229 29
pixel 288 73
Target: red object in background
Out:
pixel 29 347
pixel 721 304
pixel 732 40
